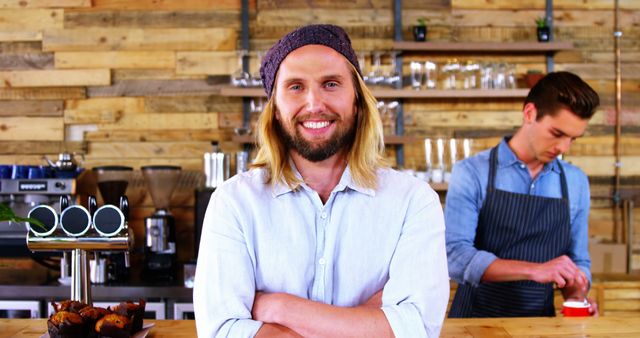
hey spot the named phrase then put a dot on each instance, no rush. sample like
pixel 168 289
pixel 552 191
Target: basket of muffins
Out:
pixel 73 319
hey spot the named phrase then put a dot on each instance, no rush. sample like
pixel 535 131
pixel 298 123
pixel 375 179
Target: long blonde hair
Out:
pixel 365 157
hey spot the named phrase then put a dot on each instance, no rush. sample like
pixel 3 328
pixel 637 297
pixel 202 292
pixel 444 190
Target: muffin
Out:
pixel 65 324
pixel 68 305
pixel 133 311
pixel 113 326
pixel 90 315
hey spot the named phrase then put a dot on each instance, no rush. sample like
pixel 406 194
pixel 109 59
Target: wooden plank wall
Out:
pixel 137 82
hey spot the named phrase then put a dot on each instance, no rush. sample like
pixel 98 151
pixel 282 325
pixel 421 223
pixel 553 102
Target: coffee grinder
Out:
pixel 160 229
pixel 112 183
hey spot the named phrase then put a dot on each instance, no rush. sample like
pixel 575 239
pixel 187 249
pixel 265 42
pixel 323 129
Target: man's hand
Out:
pixel 561 271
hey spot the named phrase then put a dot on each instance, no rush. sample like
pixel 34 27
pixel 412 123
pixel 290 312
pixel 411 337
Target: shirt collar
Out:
pixel 507 158
pixel 346 181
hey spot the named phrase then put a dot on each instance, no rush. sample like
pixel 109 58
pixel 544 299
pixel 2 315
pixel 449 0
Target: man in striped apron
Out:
pixel 516 215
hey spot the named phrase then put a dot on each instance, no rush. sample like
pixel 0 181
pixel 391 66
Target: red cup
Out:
pixel 575 309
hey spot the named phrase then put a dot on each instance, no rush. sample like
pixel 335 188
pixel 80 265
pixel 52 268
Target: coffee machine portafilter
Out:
pixel 80 231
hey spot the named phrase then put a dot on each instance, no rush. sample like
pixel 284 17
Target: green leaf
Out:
pixel 7 214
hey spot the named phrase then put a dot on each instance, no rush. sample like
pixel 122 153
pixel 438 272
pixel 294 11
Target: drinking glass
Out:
pixel 430 75
pixel 392 117
pixel 470 75
pixel 256 79
pixel 466 147
pixel 416 74
pixel 240 78
pixel 375 76
pixel 450 72
pixel 392 78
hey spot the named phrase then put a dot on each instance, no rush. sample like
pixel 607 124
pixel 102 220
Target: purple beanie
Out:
pixel 328 35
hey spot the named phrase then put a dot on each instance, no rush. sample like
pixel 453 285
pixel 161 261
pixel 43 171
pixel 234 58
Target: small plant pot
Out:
pixel 544 34
pixel 420 33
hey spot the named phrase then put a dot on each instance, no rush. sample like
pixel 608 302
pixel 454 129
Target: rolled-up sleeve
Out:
pixel 462 208
pixel 416 296
pixel 224 287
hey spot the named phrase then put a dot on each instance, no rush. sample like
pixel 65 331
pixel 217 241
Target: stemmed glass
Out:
pixel 392 116
pixel 375 76
pixel 416 74
pixel 393 78
pixel 256 79
pixel 240 78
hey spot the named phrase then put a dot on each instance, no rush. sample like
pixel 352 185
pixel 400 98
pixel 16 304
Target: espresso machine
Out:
pixel 112 184
pixel 24 186
pixel 160 229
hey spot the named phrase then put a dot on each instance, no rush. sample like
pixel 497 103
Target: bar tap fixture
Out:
pixel 80 231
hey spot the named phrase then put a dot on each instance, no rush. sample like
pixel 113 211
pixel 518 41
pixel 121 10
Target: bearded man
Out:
pixel 321 237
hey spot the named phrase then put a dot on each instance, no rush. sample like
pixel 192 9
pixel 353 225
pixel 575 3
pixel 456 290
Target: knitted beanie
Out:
pixel 328 35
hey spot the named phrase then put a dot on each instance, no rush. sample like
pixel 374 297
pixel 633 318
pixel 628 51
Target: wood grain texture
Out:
pixel 535 4
pixel 155 88
pixel 31 108
pixel 40 147
pixel 55 78
pixel 21 36
pixel 26 61
pixel 157 135
pixel 155 150
pixel 207 63
pixel 50 93
pixel 44 3
pixel 347 17
pixel 176 39
pixel 153 19
pixel 163 122
pixel 24 128
pixel 192 104
pixel 168 4
pixel 30 19
pixel 116 60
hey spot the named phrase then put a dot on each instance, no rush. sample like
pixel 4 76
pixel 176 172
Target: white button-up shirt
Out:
pixel 273 239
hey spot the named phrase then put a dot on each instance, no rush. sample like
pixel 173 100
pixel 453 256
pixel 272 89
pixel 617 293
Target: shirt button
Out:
pixel 321 261
pixel 323 215
pixel 532 186
pixel 522 166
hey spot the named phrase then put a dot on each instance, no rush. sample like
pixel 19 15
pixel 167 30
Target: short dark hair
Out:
pixel 563 90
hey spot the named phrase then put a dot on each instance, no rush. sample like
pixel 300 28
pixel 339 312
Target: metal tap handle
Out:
pixel 93 205
pixel 64 202
pixel 127 260
pixel 124 207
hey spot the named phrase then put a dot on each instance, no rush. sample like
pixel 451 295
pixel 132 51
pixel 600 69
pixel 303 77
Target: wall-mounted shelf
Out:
pixel 403 93
pixel 388 139
pixel 484 47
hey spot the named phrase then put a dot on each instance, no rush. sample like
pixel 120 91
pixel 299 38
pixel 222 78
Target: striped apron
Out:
pixel 518 227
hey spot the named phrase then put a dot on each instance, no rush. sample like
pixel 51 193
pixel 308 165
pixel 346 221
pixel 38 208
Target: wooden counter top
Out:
pixel 478 327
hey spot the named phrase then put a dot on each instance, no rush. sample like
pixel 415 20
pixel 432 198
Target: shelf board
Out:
pixel 242 91
pixel 403 93
pixel 388 139
pixel 450 93
pixel 495 47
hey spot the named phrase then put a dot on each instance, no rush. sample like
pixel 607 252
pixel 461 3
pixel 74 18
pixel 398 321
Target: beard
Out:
pixel 342 138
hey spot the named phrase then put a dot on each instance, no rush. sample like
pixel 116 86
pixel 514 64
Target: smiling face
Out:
pixel 552 135
pixel 315 102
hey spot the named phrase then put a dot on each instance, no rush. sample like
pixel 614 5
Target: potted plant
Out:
pixel 420 30
pixel 544 33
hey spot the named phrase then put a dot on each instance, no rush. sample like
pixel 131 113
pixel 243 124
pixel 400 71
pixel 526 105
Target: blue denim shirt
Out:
pixel 467 191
